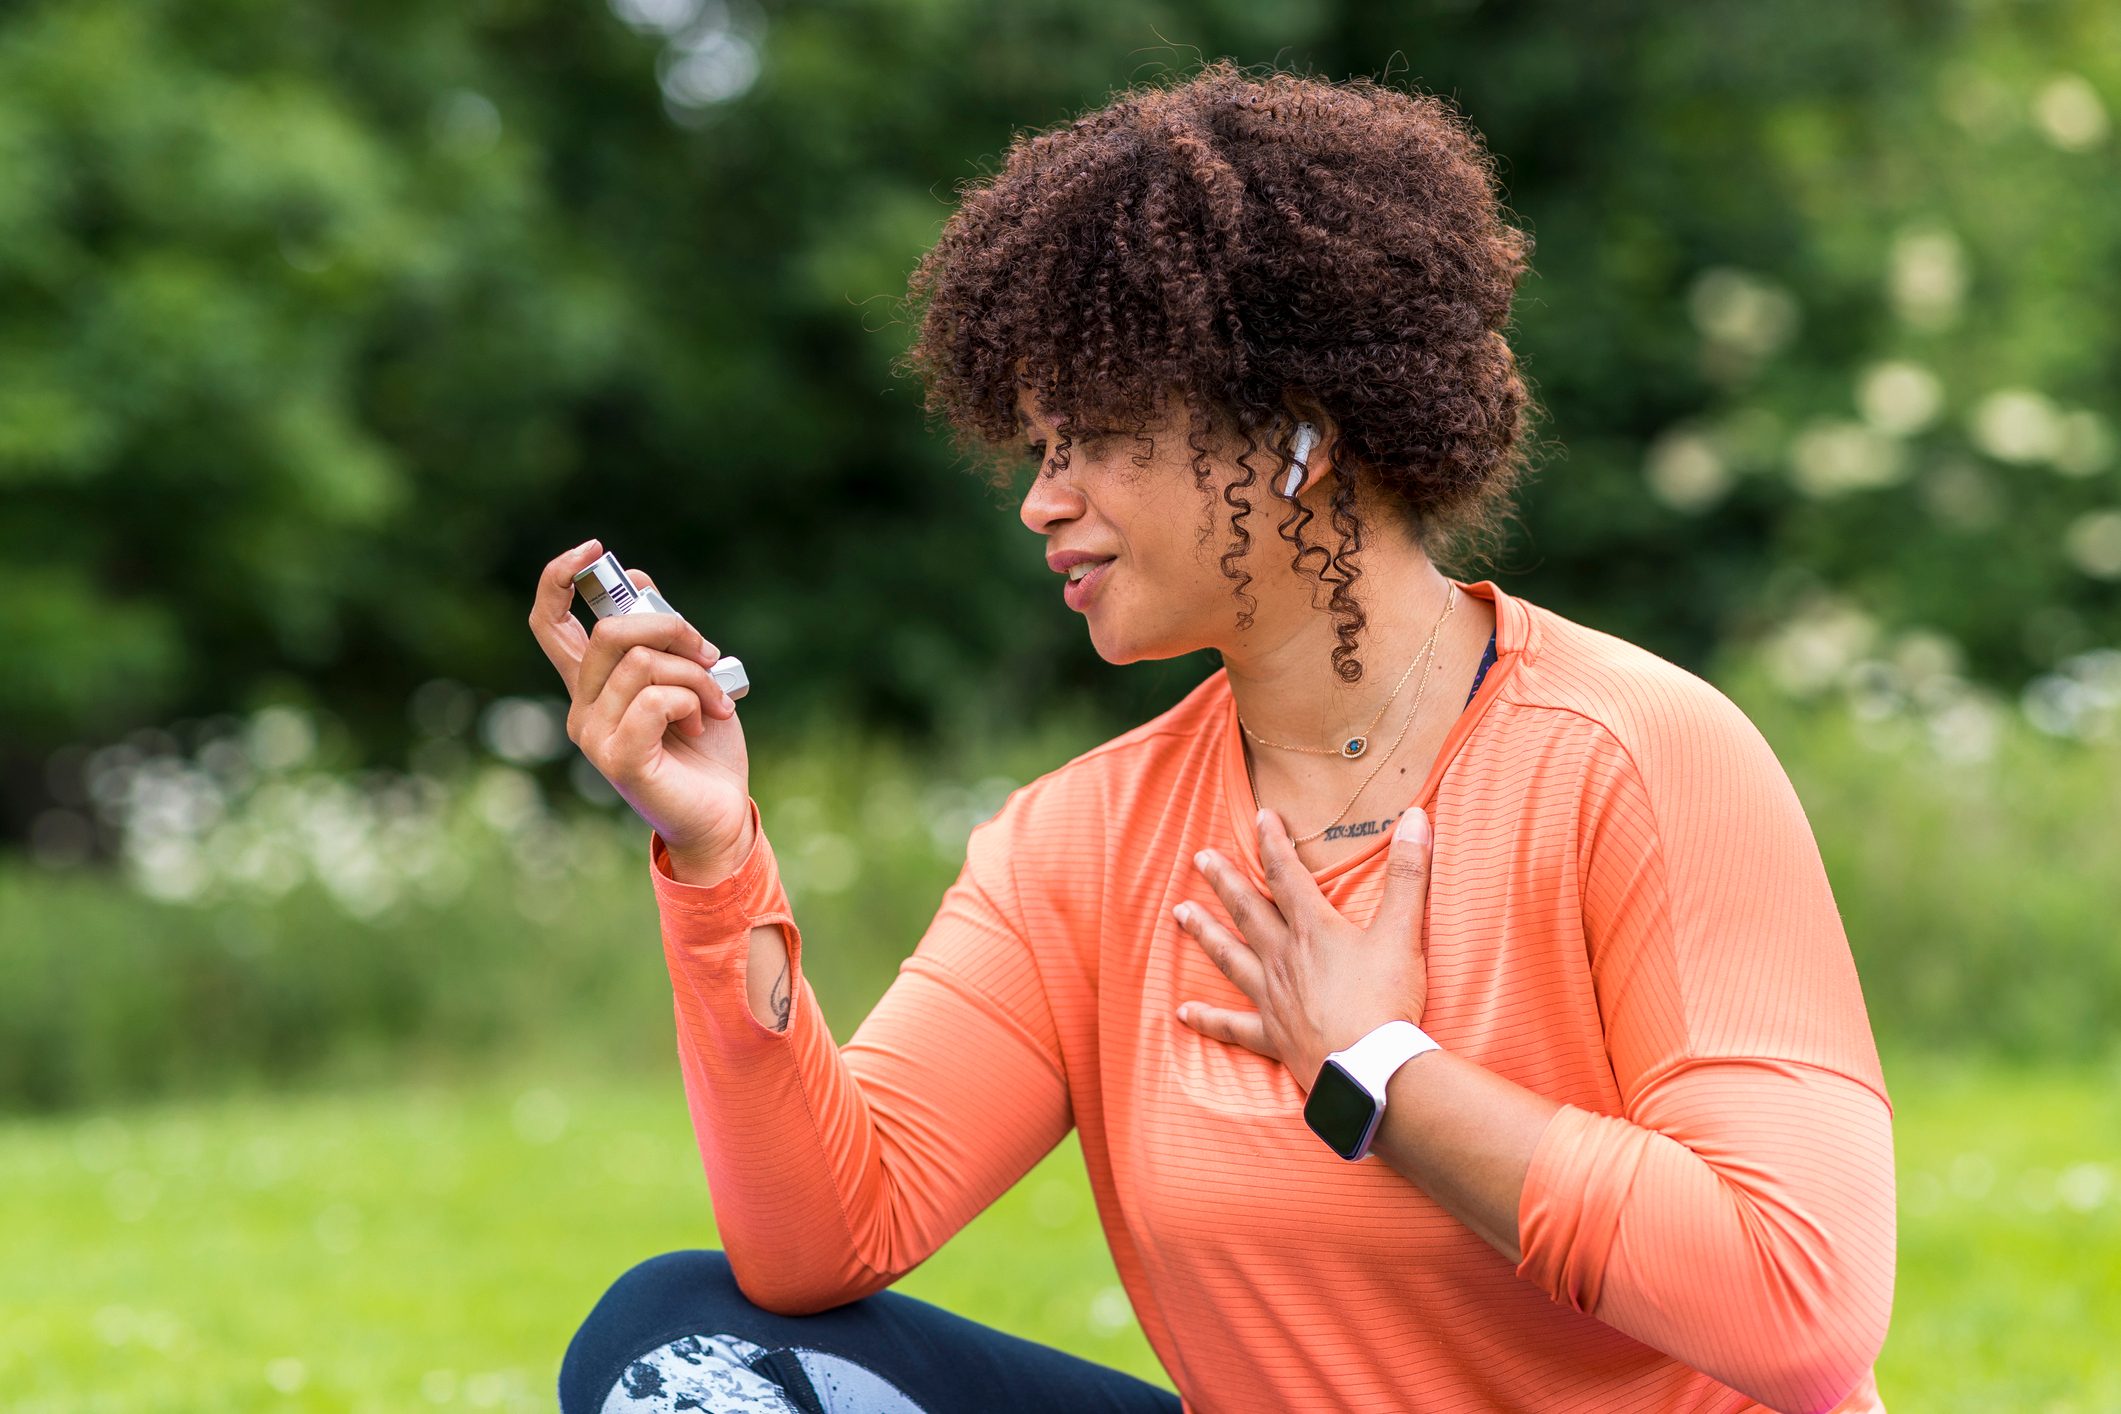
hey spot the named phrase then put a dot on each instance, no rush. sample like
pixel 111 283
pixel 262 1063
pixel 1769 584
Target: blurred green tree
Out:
pixel 325 327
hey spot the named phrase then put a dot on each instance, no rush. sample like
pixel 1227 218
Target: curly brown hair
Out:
pixel 1264 244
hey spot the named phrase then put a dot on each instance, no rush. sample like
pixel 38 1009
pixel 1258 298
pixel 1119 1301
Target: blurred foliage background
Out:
pixel 323 327
pixel 327 326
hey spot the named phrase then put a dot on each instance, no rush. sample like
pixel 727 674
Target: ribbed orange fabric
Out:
pixel 1627 913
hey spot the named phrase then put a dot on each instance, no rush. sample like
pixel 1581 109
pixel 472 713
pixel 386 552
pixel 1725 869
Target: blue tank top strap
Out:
pixel 1487 660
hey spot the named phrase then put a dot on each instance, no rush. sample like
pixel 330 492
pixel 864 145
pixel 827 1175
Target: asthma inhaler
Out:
pixel 605 585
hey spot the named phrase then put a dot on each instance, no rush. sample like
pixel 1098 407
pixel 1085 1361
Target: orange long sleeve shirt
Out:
pixel 1627 913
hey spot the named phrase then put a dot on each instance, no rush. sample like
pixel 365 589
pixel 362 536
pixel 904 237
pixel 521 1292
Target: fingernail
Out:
pixel 1185 1014
pixel 583 546
pixel 1200 861
pixel 1414 826
pixel 1261 819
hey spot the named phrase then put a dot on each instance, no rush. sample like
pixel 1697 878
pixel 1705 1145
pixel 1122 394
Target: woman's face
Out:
pixel 1160 591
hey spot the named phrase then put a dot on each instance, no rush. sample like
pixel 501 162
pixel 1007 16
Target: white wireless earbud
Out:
pixel 1299 458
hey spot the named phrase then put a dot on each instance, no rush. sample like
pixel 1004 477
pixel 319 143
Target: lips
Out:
pixel 1078 592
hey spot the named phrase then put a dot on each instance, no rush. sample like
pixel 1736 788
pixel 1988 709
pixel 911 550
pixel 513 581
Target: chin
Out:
pixel 1112 649
pixel 1117 646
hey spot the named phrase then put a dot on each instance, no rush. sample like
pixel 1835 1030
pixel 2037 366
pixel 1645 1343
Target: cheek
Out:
pixel 1176 532
pixel 1175 594
pixel 1172 538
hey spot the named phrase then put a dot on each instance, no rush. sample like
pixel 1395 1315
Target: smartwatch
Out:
pixel 1347 1101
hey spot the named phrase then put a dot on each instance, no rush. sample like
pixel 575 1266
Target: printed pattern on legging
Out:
pixel 714 1374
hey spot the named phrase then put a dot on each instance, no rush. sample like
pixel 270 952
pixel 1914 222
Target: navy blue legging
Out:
pixel 675 1333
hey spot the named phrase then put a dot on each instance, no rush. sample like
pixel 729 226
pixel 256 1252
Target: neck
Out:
pixel 1281 672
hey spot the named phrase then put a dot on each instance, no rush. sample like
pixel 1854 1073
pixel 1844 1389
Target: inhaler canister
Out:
pixel 609 591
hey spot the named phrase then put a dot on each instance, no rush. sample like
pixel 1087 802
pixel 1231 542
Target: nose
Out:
pixel 1052 499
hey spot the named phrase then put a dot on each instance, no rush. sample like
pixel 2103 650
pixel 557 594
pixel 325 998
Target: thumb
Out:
pixel 1406 876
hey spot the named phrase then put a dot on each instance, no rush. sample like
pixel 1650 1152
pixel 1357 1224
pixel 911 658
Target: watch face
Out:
pixel 1340 1111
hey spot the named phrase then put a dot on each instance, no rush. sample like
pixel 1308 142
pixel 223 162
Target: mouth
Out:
pixel 1083 581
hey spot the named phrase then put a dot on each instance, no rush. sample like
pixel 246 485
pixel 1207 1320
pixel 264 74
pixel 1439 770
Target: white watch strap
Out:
pixel 1373 1059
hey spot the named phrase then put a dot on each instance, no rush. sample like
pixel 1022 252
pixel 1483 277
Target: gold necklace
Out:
pixel 1412 712
pixel 1428 656
pixel 1355 745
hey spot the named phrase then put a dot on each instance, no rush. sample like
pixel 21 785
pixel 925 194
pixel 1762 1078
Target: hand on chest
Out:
pixel 1483 950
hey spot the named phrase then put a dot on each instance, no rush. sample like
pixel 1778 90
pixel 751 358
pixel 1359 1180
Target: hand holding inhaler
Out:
pixel 610 590
pixel 652 707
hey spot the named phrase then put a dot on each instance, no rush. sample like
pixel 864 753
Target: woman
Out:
pixel 1615 1135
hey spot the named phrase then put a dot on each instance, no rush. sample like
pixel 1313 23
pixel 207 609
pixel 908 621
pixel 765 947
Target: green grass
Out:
pixel 415 1247
pixel 433 1246
pixel 2010 1239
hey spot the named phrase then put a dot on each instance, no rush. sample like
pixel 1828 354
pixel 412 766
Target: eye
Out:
pixel 1088 436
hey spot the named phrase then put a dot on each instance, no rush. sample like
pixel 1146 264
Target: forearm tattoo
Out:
pixel 780 999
